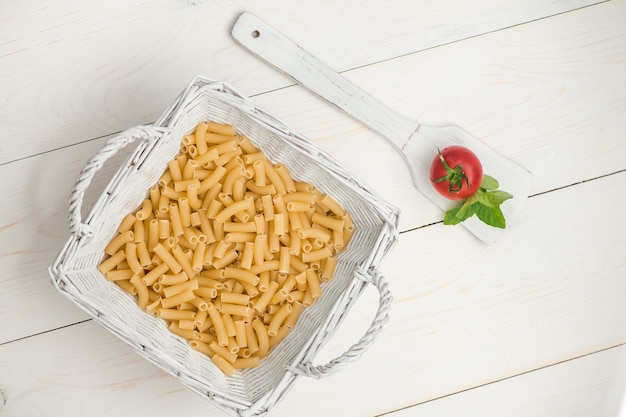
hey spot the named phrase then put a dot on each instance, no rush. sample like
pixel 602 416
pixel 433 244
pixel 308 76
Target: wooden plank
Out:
pixel 34 216
pixel 542 94
pixel 495 312
pixel 594 385
pixel 34 227
pixel 84 72
pixel 551 291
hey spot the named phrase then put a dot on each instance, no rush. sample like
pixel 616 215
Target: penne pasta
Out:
pixel 167 258
pixel 220 128
pixel 182 297
pixel 332 205
pixel 234 298
pixel 313 284
pixel 194 200
pixel 240 333
pixel 317 254
pixel 235 309
pixel 298 206
pixel 165 179
pixel 229 324
pixel 278 319
pixel 263 301
pixel 183 185
pixel 321 233
pixel 175 314
pixel 224 365
pixel 283 331
pixel 151 277
pixel 173 279
pixel 142 291
pixel 249 227
pixel 246 145
pixel 132 259
pixel 227 247
pixel 241 275
pixel 110 263
pixel 197 261
pixel 274 178
pixel 285 176
pixel 145 211
pixel 139 231
pixel 251 338
pixel 199 302
pixel 119 275
pixel 236 208
pixel 265 278
pixel 172 290
pixel 226 260
pixel 126 286
pixel 127 223
pixel 118 241
pixel 201 346
pixel 268 207
pixel 175 171
pixel 262 337
pixel 184 333
pixel 236 237
pixel 246 362
pixel 328 222
pixel 218 325
pixel 184 210
pixel 176 222
pixel 328 271
pixel 212 179
pixel 206 292
pixel 247 256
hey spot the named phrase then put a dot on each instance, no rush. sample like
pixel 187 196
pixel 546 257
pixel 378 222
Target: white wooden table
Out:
pixel 534 325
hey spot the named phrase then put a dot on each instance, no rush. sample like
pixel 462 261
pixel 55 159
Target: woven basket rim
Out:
pixel 388 213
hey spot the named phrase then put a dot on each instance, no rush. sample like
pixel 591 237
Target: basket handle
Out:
pixel 356 350
pixel 112 146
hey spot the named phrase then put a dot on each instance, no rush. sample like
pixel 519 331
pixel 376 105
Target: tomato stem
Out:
pixel 455 176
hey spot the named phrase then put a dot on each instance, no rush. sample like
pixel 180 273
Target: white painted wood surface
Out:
pixel 533 325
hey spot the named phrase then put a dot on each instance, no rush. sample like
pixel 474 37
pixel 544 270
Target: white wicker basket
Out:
pixel 251 392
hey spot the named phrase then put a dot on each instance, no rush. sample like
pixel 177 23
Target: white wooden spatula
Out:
pixel 417 143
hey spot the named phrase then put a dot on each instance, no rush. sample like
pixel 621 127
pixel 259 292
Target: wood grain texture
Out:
pixel 533 321
pixel 491 315
pixel 37 227
pixel 84 71
pixel 532 300
pixel 591 386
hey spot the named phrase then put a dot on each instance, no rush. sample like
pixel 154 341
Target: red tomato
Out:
pixel 456 172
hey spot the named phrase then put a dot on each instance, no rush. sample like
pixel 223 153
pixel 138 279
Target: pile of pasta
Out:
pixel 228 248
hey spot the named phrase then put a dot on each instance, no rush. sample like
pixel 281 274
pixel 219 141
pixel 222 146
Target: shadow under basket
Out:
pixel 254 391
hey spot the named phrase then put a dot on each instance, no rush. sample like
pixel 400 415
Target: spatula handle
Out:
pixel 275 48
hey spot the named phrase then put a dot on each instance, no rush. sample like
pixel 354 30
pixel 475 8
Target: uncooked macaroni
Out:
pixel 227 247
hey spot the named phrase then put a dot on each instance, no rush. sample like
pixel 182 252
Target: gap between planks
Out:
pixel 401 232
pixel 599 177
pixel 390 412
pixel 341 72
pixel 584 355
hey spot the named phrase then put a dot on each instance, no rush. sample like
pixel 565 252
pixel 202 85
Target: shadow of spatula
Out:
pixel 417 143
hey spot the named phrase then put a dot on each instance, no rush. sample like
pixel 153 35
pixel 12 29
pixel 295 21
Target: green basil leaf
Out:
pixel 489 183
pixel 460 213
pixel 450 217
pixel 468 212
pixel 467 204
pixel 494 198
pixel 491 215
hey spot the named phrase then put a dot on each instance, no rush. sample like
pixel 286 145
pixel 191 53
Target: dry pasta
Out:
pixel 227 247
